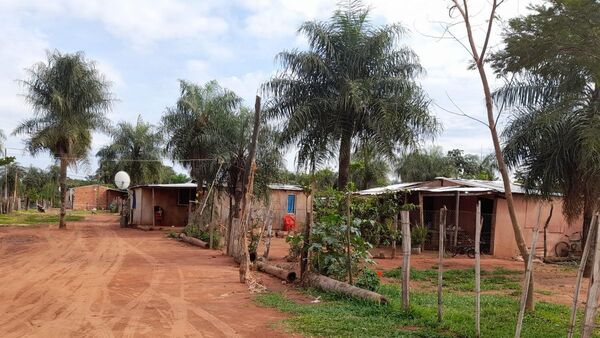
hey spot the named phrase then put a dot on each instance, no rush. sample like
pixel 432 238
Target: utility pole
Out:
pixel 6 180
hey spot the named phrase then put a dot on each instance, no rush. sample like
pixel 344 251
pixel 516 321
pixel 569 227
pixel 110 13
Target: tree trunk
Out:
pixel 248 191
pixel 286 275
pixel 330 284
pixel 527 287
pixel 582 264
pixel 587 217
pixel 592 297
pixel 344 160
pixel 348 243
pixel 479 60
pixel 309 221
pixel 63 192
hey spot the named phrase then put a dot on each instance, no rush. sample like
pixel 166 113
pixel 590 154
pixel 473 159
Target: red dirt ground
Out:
pixel 96 279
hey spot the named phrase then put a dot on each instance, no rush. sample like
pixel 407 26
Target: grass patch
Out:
pixel 338 316
pixel 33 217
pixel 464 279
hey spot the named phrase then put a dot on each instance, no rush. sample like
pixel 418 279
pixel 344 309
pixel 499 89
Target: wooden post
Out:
pixel 395 231
pixel 348 244
pixel 456 219
pixel 309 221
pixel 421 210
pixel 269 234
pixel 404 220
pixel 582 263
pixel 442 236
pixel 528 273
pixel 546 231
pixel 248 190
pixel 478 271
pixel 592 298
pixel 153 216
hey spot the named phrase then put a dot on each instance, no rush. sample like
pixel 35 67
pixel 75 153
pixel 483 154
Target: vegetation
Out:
pixel 135 149
pixel 69 97
pixel 425 165
pixel 337 316
pixel 34 217
pixel 353 84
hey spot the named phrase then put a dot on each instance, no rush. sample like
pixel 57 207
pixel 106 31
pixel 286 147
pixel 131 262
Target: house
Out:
pixel 460 197
pixel 174 202
pixel 94 196
pixel 287 199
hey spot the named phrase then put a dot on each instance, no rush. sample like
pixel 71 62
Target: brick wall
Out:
pixel 88 197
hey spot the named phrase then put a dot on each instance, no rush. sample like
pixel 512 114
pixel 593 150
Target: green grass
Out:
pixel 337 316
pixel 33 217
pixel 464 279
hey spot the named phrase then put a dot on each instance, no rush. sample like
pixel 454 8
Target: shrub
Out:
pixel 368 279
pixel 418 235
pixel 295 249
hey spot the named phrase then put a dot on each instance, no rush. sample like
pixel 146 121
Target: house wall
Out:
pixel 166 198
pixel 89 197
pixel 279 205
pixel 526 210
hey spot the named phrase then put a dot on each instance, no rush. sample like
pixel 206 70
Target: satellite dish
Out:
pixel 122 180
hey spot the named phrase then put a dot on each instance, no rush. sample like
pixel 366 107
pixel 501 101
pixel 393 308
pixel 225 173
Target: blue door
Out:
pixel 291 209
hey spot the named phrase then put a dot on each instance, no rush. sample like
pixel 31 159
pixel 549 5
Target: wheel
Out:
pixel 455 252
pixel 471 253
pixel 561 249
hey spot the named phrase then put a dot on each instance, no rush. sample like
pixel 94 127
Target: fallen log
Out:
pixel 329 284
pixel 276 271
pixel 193 241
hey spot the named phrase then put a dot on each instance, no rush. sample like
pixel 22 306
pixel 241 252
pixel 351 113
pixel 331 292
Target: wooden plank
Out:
pixel 478 270
pixel 404 220
pixel 442 236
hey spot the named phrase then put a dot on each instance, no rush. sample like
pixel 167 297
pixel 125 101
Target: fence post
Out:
pixel 478 271
pixel 442 236
pixel 395 231
pixel 404 220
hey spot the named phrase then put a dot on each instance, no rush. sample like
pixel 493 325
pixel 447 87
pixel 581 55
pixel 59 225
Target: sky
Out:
pixel 145 46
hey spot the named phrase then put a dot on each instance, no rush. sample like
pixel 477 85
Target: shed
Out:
pixel 460 196
pixel 287 199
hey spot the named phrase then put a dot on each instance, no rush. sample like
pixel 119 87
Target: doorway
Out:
pixel 487 213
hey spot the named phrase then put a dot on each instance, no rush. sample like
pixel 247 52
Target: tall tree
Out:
pixel 368 169
pixel 69 97
pixel 136 149
pixel 479 54
pixel 554 135
pixel 354 83
pixel 424 165
pixel 198 127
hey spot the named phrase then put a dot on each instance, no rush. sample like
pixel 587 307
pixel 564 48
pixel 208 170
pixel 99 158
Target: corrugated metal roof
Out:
pixel 167 185
pixel 388 188
pixel 279 186
pixel 462 185
pixel 497 186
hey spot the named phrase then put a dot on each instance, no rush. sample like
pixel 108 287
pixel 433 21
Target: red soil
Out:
pixel 96 279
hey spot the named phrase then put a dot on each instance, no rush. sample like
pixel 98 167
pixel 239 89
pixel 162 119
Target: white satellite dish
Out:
pixel 122 180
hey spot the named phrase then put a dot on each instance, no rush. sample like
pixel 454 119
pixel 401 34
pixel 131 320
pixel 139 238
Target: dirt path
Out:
pixel 97 280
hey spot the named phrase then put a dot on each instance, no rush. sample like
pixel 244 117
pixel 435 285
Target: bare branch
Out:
pixel 488 33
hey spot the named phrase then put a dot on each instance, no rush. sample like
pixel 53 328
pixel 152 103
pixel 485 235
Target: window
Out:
pixel 291 209
pixel 186 195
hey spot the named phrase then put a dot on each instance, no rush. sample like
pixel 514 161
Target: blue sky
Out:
pixel 145 46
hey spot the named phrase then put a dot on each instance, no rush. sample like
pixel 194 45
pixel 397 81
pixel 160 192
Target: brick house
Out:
pixel 93 196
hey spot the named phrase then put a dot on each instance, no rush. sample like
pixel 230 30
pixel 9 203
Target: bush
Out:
pixel 195 231
pixel 296 242
pixel 368 279
pixel 328 244
pixel 418 235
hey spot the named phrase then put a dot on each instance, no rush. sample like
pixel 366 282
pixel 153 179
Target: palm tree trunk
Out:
pixel 63 192
pixel 344 160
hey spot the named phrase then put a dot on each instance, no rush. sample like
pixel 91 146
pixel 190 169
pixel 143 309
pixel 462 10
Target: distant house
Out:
pixel 174 202
pixel 460 197
pixel 93 196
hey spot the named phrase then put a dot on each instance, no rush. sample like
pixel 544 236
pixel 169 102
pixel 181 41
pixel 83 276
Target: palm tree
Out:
pixel 198 128
pixel 368 169
pixel 135 149
pixel 353 84
pixel 425 165
pixel 2 139
pixel 69 97
pixel 554 134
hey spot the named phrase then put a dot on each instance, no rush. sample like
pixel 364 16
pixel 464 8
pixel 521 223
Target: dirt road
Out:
pixel 97 280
